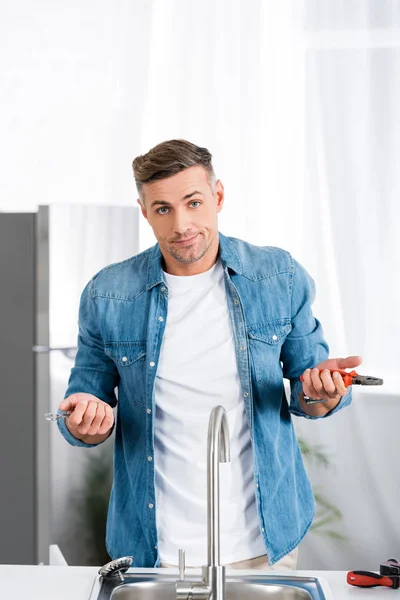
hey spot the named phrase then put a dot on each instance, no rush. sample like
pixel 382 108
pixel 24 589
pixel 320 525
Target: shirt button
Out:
pixel 243 348
pixel 161 319
pixel 149 458
pixel 246 395
pixel 124 359
pixel 236 301
pixel 148 411
pixel 262 530
pixel 151 505
pixel 152 364
pixel 163 289
pixel 256 485
pixel 274 337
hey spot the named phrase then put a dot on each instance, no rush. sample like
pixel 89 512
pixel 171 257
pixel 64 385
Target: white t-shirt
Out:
pixel 197 371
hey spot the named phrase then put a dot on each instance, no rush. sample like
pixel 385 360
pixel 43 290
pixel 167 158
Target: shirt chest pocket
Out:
pixel 265 343
pixel 130 360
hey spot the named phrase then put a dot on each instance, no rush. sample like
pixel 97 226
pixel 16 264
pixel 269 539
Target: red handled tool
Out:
pixel 370 579
pixel 389 576
pixel 353 378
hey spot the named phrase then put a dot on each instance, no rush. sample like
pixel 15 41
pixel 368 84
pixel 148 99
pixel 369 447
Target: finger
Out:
pixel 308 387
pixel 317 383
pixel 69 403
pixel 89 417
pixel 76 417
pixel 348 362
pixel 98 419
pixel 339 383
pixel 66 404
pixel 108 420
pixel 328 383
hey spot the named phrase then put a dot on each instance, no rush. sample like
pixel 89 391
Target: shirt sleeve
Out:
pixel 305 346
pixel 93 372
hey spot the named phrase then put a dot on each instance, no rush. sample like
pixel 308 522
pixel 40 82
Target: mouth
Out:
pixel 186 242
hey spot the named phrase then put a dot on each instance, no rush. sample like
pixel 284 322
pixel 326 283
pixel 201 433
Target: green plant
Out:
pixel 326 512
pixel 90 504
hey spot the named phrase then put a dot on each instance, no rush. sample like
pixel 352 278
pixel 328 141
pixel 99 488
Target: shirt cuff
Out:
pixel 65 432
pixel 296 387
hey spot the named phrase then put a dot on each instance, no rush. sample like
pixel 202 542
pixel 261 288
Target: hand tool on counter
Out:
pixel 389 576
pixel 353 378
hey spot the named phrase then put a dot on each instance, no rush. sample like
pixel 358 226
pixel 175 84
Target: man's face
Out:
pixel 182 211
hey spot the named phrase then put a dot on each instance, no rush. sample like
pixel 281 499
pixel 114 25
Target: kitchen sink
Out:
pixel 152 590
pixel 154 586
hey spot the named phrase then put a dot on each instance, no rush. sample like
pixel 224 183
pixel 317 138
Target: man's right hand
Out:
pixel 91 420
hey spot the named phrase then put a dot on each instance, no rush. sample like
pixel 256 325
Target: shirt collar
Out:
pixel 227 253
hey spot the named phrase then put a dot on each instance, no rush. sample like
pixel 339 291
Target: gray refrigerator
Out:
pixel 46 259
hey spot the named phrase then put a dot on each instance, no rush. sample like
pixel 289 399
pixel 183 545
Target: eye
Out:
pixel 162 208
pixel 195 202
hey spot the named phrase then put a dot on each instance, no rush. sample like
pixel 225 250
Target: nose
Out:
pixel 182 223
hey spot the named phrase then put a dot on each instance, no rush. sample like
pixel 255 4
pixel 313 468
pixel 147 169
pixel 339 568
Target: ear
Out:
pixel 220 195
pixel 142 208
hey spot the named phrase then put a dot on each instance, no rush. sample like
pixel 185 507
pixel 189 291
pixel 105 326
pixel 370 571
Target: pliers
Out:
pixel 353 378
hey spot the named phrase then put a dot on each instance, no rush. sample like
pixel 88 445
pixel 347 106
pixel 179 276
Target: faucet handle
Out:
pixel 181 565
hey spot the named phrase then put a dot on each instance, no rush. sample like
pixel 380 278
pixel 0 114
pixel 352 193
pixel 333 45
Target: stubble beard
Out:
pixel 188 259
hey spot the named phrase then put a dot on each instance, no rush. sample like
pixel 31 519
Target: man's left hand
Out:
pixel 319 383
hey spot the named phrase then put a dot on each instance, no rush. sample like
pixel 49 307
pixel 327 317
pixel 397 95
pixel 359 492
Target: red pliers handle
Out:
pixel 371 579
pixel 354 378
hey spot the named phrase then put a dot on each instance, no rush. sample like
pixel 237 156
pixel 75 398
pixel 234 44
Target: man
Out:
pixel 196 321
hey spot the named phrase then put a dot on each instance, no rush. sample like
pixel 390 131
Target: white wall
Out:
pixel 72 89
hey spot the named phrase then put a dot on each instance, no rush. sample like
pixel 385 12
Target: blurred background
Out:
pixel 296 100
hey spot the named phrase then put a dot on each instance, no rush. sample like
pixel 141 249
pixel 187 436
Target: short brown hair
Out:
pixel 167 159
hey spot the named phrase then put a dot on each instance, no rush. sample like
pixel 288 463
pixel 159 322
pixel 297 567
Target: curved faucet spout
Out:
pixel 218 450
pixel 212 586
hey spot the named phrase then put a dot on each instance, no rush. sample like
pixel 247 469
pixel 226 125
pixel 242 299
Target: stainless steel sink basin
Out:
pixel 153 590
pixel 159 586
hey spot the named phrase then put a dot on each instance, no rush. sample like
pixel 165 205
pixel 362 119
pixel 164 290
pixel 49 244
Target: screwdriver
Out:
pixel 371 579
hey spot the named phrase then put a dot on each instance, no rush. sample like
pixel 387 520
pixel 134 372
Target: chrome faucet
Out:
pixel 212 586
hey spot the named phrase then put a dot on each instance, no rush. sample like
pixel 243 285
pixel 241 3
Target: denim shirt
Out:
pixel 122 317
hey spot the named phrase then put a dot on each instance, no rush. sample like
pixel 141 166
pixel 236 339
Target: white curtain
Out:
pixel 352 74
pixel 229 75
pixel 298 102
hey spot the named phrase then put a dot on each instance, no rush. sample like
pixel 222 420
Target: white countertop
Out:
pixel 26 582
